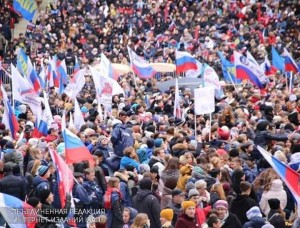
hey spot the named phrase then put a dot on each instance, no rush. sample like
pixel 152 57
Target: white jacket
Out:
pixel 276 191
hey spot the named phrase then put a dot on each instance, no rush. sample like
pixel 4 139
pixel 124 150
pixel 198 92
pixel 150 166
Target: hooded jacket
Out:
pixel 121 138
pixel 276 191
pixel 256 222
pixel 145 202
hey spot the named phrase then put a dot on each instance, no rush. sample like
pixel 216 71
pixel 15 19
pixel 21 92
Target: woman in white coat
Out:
pixel 274 190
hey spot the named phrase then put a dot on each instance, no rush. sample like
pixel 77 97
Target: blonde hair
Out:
pixel 140 220
pixel 264 179
pixel 218 188
pixel 35 167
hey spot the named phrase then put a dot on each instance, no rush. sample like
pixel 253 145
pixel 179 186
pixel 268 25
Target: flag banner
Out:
pixel 290 64
pixel 26 7
pixel 246 69
pixel 210 78
pixel 78 117
pixel 195 73
pixel 277 60
pixel 229 71
pixel 76 84
pixel 76 151
pixel 289 176
pixel 205 103
pixel 22 60
pixel 177 110
pixel 185 62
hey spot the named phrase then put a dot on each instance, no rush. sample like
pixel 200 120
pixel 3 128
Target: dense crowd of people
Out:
pixel 153 169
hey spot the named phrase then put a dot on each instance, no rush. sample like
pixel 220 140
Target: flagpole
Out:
pixel 209 127
pixel 291 83
pixel 195 117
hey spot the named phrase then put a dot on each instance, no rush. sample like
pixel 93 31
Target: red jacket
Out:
pixel 185 221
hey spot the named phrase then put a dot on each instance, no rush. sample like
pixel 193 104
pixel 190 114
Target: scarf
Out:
pixel 224 219
pixel 107 197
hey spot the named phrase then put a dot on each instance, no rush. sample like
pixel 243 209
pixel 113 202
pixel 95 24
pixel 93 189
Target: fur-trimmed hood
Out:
pixel 121 176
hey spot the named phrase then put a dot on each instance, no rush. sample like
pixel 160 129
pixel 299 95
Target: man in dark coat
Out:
pixel 245 200
pixel 274 217
pixel 145 202
pixel 12 185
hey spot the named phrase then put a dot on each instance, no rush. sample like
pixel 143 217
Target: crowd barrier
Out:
pixel 162 69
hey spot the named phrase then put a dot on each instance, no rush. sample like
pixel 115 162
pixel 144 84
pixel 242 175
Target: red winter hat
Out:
pixel 224 133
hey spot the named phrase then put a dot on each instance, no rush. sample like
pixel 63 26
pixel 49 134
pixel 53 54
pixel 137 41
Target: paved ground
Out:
pixel 21 26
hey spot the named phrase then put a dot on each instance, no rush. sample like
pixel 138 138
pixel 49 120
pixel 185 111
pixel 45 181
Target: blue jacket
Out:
pixel 121 138
pixel 80 193
pixel 39 184
pixel 127 161
pixel 93 189
pixel 115 214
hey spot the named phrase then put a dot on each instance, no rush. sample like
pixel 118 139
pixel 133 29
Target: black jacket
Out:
pixel 145 202
pixel 232 221
pixel 52 216
pixel 240 211
pixel 12 185
pixel 263 138
pixel 275 218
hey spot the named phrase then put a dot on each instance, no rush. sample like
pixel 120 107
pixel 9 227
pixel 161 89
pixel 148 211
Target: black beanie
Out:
pixel 43 195
pixel 274 204
pixel 33 201
pixel 146 183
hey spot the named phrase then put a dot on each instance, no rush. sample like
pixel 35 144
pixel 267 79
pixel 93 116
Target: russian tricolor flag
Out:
pixel 267 67
pixel 185 62
pixel 65 181
pixel 9 119
pixel 76 151
pixel 143 69
pixel 33 76
pixel 289 63
pixel 289 176
pixel 17 213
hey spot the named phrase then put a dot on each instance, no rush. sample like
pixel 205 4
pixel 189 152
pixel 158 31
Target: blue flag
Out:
pixel 22 65
pixel 228 69
pixel 277 60
pixel 26 7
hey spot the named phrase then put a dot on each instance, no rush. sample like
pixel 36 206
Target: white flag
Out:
pixel 75 84
pixel 78 117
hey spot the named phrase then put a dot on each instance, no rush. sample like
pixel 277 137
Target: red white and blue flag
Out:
pixel 65 181
pixel 185 62
pixel 267 67
pixel 140 67
pixel 289 176
pixel 9 119
pixel 246 69
pixel 289 62
pixel 17 213
pixel 76 151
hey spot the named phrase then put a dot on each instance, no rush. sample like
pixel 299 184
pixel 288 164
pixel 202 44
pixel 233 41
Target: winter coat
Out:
pixel 239 211
pixel 93 189
pixel 115 214
pixel 185 175
pixel 124 189
pixel 176 209
pixel 275 218
pixel 12 185
pixel 54 217
pixel 263 138
pixel 169 179
pixel 40 183
pixel 232 221
pixel 255 222
pixel 180 148
pixel 121 138
pixel 185 221
pixel 128 161
pixel 276 191
pixel 100 178
pixel 145 202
